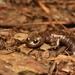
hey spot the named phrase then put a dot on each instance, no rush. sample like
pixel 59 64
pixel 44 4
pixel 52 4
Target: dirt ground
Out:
pixel 20 19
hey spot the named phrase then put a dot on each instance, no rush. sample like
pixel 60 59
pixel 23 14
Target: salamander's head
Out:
pixel 35 41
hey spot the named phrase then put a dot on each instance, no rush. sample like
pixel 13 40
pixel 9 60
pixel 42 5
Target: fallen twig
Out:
pixel 42 23
pixel 42 6
pixel 59 2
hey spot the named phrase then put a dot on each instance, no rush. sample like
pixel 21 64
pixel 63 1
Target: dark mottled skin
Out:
pixel 47 37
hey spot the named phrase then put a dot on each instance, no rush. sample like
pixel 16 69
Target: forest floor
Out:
pixel 22 19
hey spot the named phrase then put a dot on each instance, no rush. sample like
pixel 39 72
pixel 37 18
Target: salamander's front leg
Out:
pixel 57 42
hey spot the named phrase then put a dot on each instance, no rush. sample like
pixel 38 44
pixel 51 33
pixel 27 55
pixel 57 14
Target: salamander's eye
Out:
pixel 35 41
pixel 28 39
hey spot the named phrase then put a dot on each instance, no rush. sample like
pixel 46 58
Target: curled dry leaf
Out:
pixel 20 36
pixel 22 19
pixel 45 47
pixel 24 49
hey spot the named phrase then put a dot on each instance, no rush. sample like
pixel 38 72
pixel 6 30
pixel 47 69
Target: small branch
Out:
pixel 59 2
pixel 71 29
pixel 42 23
pixel 42 6
pixel 52 68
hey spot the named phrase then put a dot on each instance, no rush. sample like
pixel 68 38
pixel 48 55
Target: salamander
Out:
pixel 51 36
